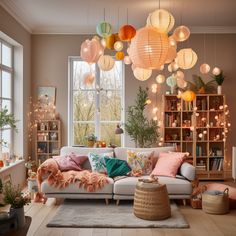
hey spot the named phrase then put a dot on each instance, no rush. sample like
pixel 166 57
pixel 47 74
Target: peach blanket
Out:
pixel 91 181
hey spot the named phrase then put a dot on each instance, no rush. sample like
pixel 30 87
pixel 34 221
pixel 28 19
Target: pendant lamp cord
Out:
pixel 104 14
pixel 204 48
pixel 127 16
pixel 118 21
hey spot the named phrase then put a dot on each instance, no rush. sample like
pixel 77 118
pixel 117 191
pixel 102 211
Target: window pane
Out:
pixel 6 84
pixel 80 131
pixel 83 75
pixel 110 105
pixel 112 79
pixel 83 105
pixel 108 134
pixel 7 104
pixel 6 55
pixel 6 137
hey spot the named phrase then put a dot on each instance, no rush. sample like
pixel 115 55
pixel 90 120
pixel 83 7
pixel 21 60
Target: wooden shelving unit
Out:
pixel 48 139
pixel 198 128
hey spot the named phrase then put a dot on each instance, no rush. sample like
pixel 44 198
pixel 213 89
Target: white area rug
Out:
pixel 95 214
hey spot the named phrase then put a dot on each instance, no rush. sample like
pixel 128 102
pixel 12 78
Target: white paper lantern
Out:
pixel 142 74
pixel 106 62
pixel 179 74
pixel 118 46
pixel 127 60
pixel 186 58
pixel 160 79
pixel 216 71
pixel 205 68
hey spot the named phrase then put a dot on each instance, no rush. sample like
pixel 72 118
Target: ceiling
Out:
pixel 82 16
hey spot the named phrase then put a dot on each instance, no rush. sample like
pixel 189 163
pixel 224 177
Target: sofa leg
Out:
pixel 107 201
pixel 184 202
pixel 117 202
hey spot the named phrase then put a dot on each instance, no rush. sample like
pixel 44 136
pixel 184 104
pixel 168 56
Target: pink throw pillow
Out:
pixel 168 163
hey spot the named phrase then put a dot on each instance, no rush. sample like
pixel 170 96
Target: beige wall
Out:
pixel 10 27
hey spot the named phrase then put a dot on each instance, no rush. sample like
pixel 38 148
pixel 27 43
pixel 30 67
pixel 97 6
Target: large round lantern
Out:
pixel 142 74
pixel 149 48
pixel 91 50
pixel 120 55
pixel 162 20
pixel 186 58
pixel 171 55
pixel 106 62
pixel 188 96
pixel 104 29
pixel 181 33
pixel 126 32
pixel 205 68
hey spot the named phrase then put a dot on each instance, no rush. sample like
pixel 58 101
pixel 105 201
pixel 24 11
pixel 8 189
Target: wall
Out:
pixel 10 27
pixel 50 68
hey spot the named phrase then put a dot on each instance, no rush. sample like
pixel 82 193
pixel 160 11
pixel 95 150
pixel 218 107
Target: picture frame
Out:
pixel 47 95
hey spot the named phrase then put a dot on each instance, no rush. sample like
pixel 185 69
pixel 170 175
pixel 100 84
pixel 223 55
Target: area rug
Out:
pixel 95 214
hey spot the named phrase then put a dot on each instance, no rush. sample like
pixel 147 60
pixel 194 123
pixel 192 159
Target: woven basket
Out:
pixel 216 204
pixel 151 201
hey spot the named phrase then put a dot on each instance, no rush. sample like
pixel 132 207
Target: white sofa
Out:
pixel 123 189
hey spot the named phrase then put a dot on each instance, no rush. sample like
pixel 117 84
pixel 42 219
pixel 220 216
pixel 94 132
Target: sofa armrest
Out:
pixel 188 171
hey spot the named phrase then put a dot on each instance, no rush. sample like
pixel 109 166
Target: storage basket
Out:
pixel 216 204
pixel 151 201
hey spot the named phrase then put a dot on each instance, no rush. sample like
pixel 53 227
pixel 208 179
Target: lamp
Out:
pixel 186 58
pixel 119 130
pixel 106 62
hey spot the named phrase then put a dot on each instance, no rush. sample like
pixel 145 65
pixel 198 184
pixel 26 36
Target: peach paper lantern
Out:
pixel 205 68
pixel 91 50
pixel 126 32
pixel 149 48
pixel 142 74
pixel 120 55
pixel 181 33
pixel 186 58
pixel 216 71
pixel 162 20
pixel 88 79
pixel 181 83
pixel 106 62
pixel 179 74
pixel 171 54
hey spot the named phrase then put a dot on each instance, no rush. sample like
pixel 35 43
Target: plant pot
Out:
pixel 20 216
pixel 219 89
pixel 90 143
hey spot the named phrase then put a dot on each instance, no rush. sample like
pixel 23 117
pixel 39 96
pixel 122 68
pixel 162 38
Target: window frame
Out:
pixel 97 121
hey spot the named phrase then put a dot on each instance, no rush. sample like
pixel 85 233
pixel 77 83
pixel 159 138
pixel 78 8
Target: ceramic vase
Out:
pixel 219 89
pixel 20 216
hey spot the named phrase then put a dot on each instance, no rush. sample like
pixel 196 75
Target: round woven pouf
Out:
pixel 151 201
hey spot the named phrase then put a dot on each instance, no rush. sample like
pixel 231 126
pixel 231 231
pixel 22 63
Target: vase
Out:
pixel 20 216
pixel 219 89
pixel 90 143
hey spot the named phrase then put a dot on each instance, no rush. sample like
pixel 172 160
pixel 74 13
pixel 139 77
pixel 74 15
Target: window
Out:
pixel 95 102
pixel 6 88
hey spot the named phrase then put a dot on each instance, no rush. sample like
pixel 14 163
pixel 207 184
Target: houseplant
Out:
pixel 14 197
pixel 219 80
pixel 91 139
pixel 142 131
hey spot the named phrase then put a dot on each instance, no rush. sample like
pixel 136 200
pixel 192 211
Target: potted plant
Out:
pixel 91 139
pixel 219 80
pixel 15 198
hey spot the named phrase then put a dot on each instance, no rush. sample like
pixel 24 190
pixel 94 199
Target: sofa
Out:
pixel 179 187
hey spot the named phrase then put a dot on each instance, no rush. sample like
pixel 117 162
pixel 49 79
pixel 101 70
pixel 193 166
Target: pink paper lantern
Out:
pixel 149 48
pixel 91 50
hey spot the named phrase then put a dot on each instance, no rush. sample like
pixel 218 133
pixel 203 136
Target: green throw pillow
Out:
pixel 116 167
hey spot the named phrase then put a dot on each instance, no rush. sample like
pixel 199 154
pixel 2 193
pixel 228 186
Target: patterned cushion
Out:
pixel 140 162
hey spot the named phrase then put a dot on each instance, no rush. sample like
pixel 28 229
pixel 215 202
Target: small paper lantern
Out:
pixel 120 55
pixel 181 33
pixel 149 48
pixel 174 66
pixel 188 96
pixel 104 29
pixel 171 54
pixel 179 74
pixel 127 60
pixel 181 83
pixel 205 68
pixel 118 46
pixel 186 58
pixel 106 62
pixel 91 50
pixel 126 32
pixel 172 41
pixel 110 40
pixel 162 20
pixel 103 42
pixel 88 79
pixel 142 74
pixel 216 71
pixel 160 79
pixel 171 81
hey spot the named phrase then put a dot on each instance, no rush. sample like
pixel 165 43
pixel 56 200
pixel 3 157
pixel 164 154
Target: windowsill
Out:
pixel 11 165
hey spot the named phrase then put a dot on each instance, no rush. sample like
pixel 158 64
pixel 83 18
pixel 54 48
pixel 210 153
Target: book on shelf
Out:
pixel 217 164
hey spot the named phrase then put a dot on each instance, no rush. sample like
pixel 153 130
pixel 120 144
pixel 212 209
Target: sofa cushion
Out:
pixel 73 188
pixel 188 171
pixel 127 185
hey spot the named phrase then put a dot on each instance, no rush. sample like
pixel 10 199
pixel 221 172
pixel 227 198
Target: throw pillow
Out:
pixel 116 167
pixel 168 163
pixel 140 162
pixel 71 161
pixel 97 161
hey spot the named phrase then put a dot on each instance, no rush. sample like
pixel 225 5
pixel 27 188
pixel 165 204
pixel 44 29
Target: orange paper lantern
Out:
pixel 120 55
pixel 149 48
pixel 127 32
pixel 188 96
pixel 110 41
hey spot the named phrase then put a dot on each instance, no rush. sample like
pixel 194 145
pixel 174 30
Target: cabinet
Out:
pixel 48 139
pixel 199 128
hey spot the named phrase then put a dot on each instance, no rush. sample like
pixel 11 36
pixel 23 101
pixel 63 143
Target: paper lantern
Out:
pixel 103 42
pixel 106 62
pixel 88 79
pixel 127 60
pixel 186 58
pixel 110 40
pixel 171 54
pixel 118 46
pixel 181 33
pixel 179 74
pixel 142 74
pixel 126 32
pixel 171 81
pixel 120 55
pixel 216 71
pixel 173 66
pixel 205 68
pixel 91 50
pixel 162 67
pixel 149 48
pixel 188 96
pixel 172 41
pixel 160 79
pixel 104 29
pixel 162 20
pixel 181 83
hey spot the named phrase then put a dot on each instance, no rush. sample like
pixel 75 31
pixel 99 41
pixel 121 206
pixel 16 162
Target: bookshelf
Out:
pixel 198 128
pixel 48 139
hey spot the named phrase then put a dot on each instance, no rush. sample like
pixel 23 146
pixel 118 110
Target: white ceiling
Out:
pixel 82 16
